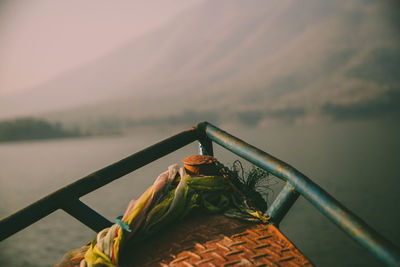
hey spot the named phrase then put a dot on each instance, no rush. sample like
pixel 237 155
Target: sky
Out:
pixel 250 62
pixel 41 39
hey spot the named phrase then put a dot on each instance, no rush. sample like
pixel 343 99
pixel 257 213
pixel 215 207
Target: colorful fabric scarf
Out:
pixel 171 197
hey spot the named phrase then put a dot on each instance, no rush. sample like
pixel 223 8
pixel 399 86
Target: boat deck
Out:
pixel 215 240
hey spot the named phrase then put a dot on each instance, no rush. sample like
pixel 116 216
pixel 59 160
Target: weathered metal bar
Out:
pixel 27 216
pixel 356 228
pixel 34 212
pixel 205 144
pixel 282 203
pixel 86 215
pixel 205 147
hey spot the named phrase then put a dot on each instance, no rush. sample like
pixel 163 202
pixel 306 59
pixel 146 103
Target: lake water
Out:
pixel 358 163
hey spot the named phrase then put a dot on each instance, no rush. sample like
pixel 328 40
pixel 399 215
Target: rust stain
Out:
pixel 276 250
pixel 279 168
pixel 246 245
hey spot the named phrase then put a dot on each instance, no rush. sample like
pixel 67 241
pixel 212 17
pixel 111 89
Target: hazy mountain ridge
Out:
pixel 246 62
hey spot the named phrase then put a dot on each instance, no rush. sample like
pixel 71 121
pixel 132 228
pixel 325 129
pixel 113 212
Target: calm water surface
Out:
pixel 358 163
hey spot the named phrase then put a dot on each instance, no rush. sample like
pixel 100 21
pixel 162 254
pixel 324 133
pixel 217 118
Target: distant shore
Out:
pixel 23 129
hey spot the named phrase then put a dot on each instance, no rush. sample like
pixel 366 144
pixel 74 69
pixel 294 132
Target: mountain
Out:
pixel 246 61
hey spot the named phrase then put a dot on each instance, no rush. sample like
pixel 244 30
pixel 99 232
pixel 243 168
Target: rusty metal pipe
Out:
pixel 282 203
pixel 43 207
pixel 205 143
pixel 86 215
pixel 351 224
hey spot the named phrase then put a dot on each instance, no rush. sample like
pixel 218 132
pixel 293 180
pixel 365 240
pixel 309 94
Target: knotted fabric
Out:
pixel 171 197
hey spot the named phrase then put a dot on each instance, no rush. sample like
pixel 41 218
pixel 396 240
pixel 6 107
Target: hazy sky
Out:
pixel 40 39
pixel 252 61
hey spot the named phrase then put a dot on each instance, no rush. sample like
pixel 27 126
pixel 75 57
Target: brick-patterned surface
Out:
pixel 216 241
pixel 262 245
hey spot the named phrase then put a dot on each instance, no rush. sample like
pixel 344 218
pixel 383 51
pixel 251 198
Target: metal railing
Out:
pixel 67 198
